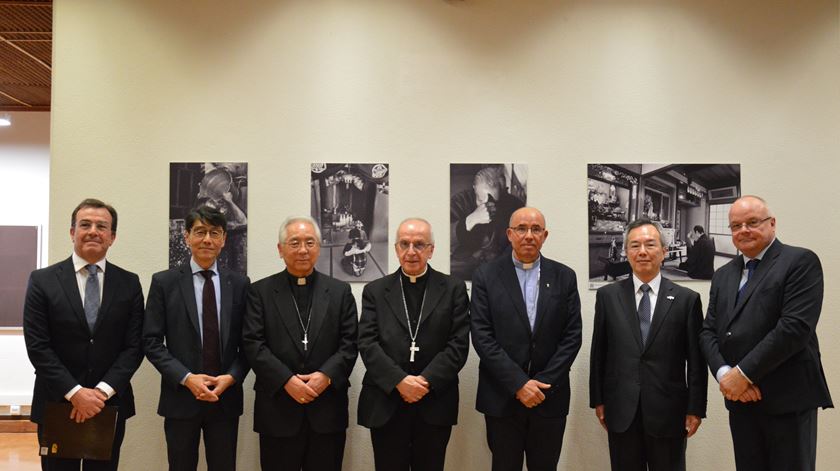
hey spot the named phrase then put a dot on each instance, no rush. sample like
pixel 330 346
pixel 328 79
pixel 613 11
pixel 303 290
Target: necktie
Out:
pixel 92 296
pixel 644 313
pixel 211 356
pixel 751 266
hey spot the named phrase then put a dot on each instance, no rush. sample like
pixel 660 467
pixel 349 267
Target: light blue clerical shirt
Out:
pixel 529 285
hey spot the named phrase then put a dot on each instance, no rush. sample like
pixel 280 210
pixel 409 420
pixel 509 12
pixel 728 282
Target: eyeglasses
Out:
pixel 649 246
pixel 418 246
pixel 214 234
pixel 522 230
pixel 296 244
pixel 752 224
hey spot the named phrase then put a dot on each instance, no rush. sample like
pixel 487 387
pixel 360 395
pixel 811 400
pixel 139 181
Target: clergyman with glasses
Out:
pixel 760 341
pixel 192 334
pixel 299 336
pixel 413 339
pixel 526 328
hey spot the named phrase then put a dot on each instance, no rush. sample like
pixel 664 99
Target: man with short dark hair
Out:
pixel 760 341
pixel 700 260
pixel 192 335
pixel 413 339
pixel 82 323
pixel 647 378
pixel 300 338
pixel 526 328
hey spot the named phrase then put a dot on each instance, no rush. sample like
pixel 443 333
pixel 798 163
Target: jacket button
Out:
pixel 91 341
pixel 729 334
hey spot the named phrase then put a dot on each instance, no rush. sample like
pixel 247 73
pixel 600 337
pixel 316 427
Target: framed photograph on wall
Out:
pixel 685 199
pixel 350 204
pixel 482 199
pixel 221 185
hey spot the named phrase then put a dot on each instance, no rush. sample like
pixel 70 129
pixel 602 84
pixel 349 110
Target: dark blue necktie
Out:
pixel 751 266
pixel 644 312
pixel 91 296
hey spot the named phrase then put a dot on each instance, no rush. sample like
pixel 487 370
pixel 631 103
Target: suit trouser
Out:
pixel 308 450
pixel 220 436
pixel 785 442
pixel 406 442
pixel 636 450
pixel 62 464
pixel 525 433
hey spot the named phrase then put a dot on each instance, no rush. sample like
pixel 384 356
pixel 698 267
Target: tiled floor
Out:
pixel 19 452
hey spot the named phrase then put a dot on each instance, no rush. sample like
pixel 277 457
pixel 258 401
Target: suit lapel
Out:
pixel 188 293
pixel 627 297
pixel 227 306
pixel 435 287
pixel 67 279
pixel 285 307
pixel 764 267
pixel 393 297
pixel 511 283
pixel 544 286
pixel 110 287
pixel 664 301
pixel 320 303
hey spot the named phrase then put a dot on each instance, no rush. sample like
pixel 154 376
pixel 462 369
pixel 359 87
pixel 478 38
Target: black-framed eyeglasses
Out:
pixel 752 224
pixel 522 230
pixel 418 246
pixel 214 234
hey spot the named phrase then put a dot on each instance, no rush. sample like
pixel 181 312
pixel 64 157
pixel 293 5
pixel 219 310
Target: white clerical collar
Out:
pixel 413 278
pixel 525 266
pixel 79 263
pixel 654 283
pixel 197 268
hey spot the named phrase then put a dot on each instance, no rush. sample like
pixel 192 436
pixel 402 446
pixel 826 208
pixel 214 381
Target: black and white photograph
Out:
pixel 482 199
pixel 221 185
pixel 350 204
pixel 690 201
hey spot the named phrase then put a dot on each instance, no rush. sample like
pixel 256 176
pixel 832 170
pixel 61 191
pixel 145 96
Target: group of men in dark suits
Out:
pixel 205 328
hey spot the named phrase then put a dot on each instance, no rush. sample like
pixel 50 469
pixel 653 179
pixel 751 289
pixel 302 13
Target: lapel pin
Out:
pixel 671 298
pixel 548 285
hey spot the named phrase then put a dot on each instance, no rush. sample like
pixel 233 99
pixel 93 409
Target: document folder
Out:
pixel 62 437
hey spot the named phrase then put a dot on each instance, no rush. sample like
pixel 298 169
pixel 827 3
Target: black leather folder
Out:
pixel 63 438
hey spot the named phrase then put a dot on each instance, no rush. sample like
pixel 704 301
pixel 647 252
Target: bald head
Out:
pixel 753 225
pixel 415 245
pixel 527 233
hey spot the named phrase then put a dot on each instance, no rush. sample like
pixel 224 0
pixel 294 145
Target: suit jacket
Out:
pixel 667 375
pixel 700 263
pixel 771 331
pixel 510 353
pixel 272 343
pixel 172 339
pixel 443 339
pixel 62 347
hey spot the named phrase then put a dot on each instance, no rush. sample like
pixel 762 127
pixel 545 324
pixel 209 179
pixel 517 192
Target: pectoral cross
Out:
pixel 305 342
pixel 413 348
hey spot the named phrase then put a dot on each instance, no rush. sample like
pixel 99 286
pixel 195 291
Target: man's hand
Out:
pixel 220 383
pixel 318 381
pixel 198 386
pixel 733 384
pixel 413 388
pixel 531 395
pixel 692 423
pixel 87 403
pixel 481 215
pixel 300 391
pixel 752 394
pixel 599 412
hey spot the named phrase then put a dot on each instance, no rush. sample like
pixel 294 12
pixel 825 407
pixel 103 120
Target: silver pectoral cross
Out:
pixel 305 341
pixel 413 348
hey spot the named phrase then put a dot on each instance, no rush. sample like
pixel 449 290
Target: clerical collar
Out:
pixel 525 266
pixel 414 278
pixel 301 281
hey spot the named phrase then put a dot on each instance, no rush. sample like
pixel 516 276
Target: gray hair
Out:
pixel 431 232
pixel 284 227
pixel 644 222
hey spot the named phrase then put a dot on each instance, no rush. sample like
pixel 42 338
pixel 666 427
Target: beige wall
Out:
pixel 421 84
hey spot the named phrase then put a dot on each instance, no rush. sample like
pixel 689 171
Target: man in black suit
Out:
pixel 299 336
pixel 760 340
pixel 82 323
pixel 647 377
pixel 526 328
pixel 192 334
pixel 700 262
pixel 413 339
